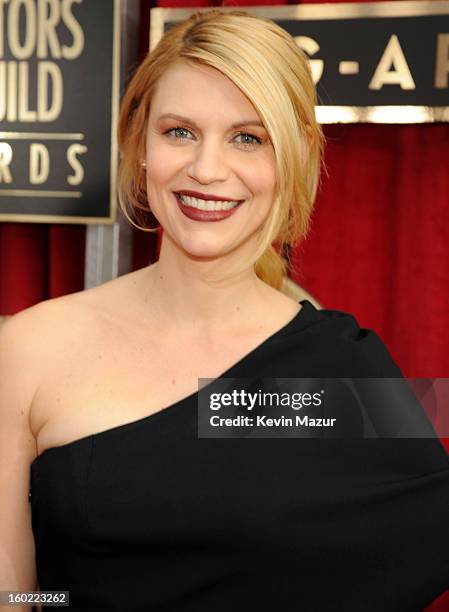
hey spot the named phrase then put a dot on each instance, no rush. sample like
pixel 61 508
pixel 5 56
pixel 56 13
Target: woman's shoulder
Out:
pixel 345 325
pixel 51 323
pixel 104 298
pixel 338 337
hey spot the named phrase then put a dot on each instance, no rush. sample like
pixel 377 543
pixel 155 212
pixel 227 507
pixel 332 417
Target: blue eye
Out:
pixel 177 129
pixel 255 139
pixel 250 144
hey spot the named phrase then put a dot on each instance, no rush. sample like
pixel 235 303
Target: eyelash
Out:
pixel 245 144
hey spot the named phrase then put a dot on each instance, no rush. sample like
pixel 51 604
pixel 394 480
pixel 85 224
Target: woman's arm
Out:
pixel 18 379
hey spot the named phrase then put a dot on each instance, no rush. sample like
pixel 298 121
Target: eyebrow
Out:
pixel 187 120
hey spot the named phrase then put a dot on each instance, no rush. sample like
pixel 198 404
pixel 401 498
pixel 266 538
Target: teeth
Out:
pixel 207 204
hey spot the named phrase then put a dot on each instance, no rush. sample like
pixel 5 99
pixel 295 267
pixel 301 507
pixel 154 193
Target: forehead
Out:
pixel 202 93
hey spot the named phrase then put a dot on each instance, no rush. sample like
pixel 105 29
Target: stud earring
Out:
pixel 143 164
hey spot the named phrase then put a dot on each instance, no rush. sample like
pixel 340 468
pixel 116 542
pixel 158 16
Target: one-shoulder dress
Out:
pixel 150 516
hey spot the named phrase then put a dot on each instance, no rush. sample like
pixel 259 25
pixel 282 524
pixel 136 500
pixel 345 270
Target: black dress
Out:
pixel 147 516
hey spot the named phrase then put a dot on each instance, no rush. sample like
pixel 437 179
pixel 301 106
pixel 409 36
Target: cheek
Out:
pixel 158 168
pixel 260 178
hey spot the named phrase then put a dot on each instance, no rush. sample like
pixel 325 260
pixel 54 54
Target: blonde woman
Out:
pixel 129 507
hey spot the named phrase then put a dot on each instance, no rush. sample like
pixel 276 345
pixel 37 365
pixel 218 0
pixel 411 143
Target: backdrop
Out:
pixel 376 248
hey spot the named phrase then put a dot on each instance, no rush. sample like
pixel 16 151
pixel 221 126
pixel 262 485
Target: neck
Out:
pixel 186 297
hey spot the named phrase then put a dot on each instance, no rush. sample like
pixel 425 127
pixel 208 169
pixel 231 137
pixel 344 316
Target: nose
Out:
pixel 209 163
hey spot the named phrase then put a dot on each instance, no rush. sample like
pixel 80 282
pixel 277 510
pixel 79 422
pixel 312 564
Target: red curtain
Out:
pixel 378 245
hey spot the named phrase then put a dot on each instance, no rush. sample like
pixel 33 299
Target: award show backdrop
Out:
pixel 378 245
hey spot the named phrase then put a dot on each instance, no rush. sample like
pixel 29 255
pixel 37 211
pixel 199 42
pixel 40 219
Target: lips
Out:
pixel 196 214
pixel 205 196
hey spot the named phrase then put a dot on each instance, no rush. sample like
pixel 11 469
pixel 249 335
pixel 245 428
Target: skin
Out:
pixel 209 156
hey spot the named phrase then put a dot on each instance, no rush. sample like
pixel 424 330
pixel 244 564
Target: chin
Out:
pixel 203 251
pixel 203 254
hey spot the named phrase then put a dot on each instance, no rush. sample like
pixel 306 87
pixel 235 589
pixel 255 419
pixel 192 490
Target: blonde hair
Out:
pixel 265 62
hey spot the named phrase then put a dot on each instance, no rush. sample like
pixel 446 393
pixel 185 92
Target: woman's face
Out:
pixel 204 150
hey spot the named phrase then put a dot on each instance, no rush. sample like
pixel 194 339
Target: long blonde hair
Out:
pixel 265 62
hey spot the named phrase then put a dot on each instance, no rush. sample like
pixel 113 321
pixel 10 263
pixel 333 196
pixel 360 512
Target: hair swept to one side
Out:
pixel 265 62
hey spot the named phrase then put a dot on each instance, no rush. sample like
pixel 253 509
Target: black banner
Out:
pixel 59 89
pixel 378 62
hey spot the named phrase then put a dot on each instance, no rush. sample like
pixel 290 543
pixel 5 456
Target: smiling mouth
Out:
pixel 203 214
pixel 207 205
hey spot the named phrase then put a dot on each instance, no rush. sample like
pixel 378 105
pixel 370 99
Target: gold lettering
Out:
pixel 3 100
pixel 11 108
pixel 45 72
pixel 25 114
pixel 310 46
pixel 442 62
pixel 25 51
pixel 14 92
pixel 77 32
pixel 2 21
pixel 39 163
pixel 72 152
pixel 48 38
pixel 5 160
pixel 401 75
pixel 30 27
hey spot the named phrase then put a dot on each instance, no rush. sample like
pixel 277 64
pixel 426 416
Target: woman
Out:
pixel 130 509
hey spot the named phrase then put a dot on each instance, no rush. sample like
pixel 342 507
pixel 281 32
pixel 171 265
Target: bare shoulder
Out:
pixel 22 360
pixel 29 344
pixel 34 331
pixel 37 337
pixel 108 298
pixel 24 335
pixel 71 313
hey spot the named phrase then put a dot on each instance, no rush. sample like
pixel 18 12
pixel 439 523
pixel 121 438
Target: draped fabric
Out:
pixel 377 246
pixel 331 522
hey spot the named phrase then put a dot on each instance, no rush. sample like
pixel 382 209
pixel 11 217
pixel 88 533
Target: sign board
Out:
pixel 377 62
pixel 59 96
